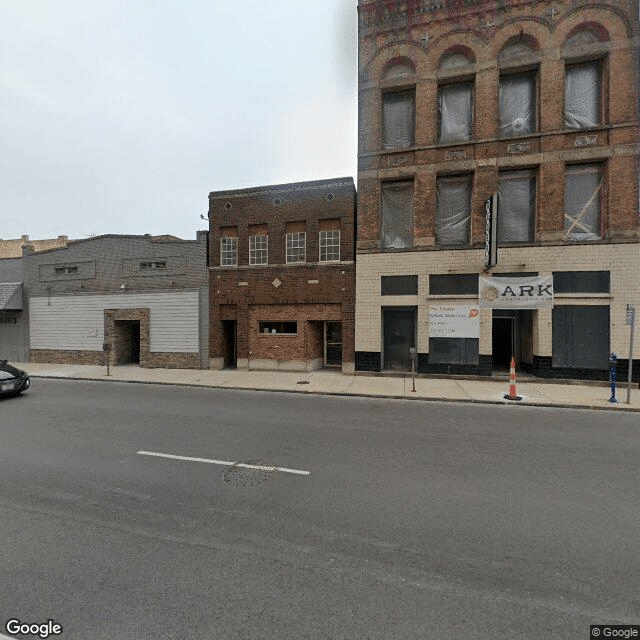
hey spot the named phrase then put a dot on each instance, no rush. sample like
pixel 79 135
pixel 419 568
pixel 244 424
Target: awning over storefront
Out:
pixel 10 296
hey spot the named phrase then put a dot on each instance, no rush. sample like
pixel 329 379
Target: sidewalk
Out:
pixel 332 382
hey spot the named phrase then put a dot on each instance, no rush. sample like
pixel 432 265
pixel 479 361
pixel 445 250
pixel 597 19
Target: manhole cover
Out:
pixel 250 473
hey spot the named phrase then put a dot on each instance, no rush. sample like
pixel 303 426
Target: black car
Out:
pixel 12 381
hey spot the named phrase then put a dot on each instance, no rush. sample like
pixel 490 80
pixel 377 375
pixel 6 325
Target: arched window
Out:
pixel 399 70
pixel 583 107
pixel 517 90
pixel 399 105
pixel 455 100
pixel 454 59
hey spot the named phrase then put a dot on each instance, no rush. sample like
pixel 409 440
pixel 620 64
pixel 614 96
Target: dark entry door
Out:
pixel 333 343
pixel 399 331
pixel 503 342
pixel 135 341
pixel 229 343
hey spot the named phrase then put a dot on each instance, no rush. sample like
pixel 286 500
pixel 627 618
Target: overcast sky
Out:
pixel 120 116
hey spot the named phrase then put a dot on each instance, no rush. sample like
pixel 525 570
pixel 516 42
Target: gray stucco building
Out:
pixel 146 296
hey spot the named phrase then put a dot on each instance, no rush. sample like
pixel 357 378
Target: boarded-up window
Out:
pixel 517 104
pixel 399 285
pixel 397 215
pixel 516 206
pixel 453 211
pixel 398 119
pixel 453 284
pixel 582 202
pixel 581 336
pixel 582 89
pixel 455 112
pixel 454 350
pixel 581 282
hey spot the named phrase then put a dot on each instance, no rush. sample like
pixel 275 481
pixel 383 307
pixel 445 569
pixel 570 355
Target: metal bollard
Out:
pixel 613 361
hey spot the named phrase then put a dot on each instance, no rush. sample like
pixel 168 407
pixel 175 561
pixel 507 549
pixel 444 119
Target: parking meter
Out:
pixel 413 356
pixel 613 361
pixel 106 347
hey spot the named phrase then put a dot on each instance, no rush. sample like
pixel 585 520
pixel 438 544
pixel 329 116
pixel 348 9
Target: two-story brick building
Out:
pixel 523 115
pixel 282 276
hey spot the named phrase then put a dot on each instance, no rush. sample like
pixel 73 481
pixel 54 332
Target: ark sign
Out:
pixel 515 293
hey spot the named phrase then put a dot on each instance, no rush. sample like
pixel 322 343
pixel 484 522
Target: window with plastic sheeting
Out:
pixel 582 95
pixel 517 97
pixel 453 210
pixel 397 215
pixel 516 206
pixel 455 112
pixel 398 119
pixel 582 202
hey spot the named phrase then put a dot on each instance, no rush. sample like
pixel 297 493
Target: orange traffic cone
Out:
pixel 512 395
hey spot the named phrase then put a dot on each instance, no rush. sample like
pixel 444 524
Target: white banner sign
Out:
pixel 516 293
pixel 454 321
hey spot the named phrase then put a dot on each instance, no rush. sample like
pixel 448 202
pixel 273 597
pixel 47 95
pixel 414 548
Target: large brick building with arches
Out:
pixel 522 115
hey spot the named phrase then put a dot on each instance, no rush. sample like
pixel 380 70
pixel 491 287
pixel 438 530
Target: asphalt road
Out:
pixel 417 520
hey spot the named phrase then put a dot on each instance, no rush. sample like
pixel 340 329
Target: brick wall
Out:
pixel 309 293
pixel 422 32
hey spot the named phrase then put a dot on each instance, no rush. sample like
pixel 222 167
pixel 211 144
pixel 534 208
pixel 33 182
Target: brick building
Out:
pixel 282 276
pixel 523 113
pixel 13 248
pixel 146 296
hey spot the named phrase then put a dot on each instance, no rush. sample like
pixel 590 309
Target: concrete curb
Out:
pixel 591 407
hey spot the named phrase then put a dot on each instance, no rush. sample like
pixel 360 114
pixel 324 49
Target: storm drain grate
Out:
pixel 250 473
pixel 302 382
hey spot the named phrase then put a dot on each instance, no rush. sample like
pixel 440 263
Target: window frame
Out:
pixel 261 327
pixel 253 251
pixel 532 176
pixel 386 95
pixel 469 177
pixel 66 270
pixel 324 246
pixel 233 252
pixel 392 185
pixel 572 169
pixel 444 86
pixel 290 240
pixel 533 73
pixel 599 63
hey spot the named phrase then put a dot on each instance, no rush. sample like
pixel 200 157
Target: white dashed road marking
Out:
pixel 223 462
